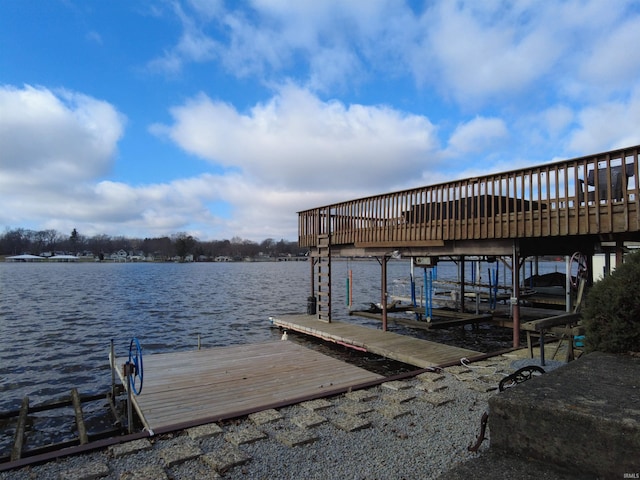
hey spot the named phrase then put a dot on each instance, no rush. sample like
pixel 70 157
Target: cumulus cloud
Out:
pixel 607 126
pixel 55 148
pixel 298 139
pixel 477 135
pixel 48 138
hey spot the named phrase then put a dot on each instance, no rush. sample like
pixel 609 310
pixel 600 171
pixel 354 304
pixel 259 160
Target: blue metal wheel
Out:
pixel 135 360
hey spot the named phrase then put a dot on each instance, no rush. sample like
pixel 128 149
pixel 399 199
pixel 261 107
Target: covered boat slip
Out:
pixel 403 348
pixel 572 208
pixel 201 386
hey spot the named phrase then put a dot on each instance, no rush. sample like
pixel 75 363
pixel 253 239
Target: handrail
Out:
pixel 553 199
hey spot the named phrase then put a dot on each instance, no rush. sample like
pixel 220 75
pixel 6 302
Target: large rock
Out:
pixel 584 416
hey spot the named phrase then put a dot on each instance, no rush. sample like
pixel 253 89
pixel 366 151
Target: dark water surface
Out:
pixel 57 319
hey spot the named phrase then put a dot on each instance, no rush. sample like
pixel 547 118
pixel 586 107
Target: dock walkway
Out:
pixel 410 350
pixel 202 386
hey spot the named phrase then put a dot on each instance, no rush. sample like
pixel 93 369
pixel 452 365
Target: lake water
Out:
pixel 57 319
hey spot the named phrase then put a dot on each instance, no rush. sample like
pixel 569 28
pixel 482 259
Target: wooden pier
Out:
pixel 410 350
pixel 202 386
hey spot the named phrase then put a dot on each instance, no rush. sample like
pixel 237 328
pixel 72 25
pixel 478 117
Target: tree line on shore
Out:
pixel 20 240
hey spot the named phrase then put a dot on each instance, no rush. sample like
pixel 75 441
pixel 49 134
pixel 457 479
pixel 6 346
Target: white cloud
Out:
pixel 48 138
pixel 477 135
pixel 298 139
pixel 614 60
pixel 607 126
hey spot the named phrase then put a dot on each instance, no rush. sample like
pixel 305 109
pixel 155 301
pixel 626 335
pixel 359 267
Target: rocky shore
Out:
pixel 417 428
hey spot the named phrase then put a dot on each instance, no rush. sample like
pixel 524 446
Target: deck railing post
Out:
pixel 515 299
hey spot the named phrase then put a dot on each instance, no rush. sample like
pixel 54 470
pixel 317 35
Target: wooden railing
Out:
pixel 561 198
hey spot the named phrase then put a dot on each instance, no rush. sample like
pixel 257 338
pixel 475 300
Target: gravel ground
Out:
pixel 417 428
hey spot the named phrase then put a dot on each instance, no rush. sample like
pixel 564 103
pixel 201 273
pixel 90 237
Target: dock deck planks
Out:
pixel 202 386
pixel 410 350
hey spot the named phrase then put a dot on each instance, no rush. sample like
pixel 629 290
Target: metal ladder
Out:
pixel 323 278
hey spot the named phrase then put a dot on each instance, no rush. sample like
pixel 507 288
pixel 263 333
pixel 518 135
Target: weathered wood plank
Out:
pixel 190 386
pixel 414 351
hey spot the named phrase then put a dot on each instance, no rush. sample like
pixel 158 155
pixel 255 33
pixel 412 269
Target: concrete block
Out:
pixel 247 435
pixel 584 416
pixel 129 448
pixel 177 454
pixel 204 431
pixel 88 471
pixel 265 416
pixel 225 458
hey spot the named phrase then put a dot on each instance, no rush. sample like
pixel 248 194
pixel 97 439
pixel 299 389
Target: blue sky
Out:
pixel 221 119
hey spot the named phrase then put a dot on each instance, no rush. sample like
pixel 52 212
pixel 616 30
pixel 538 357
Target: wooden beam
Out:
pixel 18 438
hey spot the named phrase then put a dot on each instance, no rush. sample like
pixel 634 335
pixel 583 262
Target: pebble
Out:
pixel 402 432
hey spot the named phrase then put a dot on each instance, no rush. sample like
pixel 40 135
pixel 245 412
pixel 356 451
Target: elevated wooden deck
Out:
pixel 410 350
pixel 202 386
pixel 554 208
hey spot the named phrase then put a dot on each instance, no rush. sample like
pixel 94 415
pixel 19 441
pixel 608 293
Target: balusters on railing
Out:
pixel 588 195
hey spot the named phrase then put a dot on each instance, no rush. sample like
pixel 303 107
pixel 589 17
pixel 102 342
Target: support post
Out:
pixel 567 286
pixel 383 292
pixel 112 365
pixel 462 281
pixel 515 299
pixel 312 263
pixel 127 376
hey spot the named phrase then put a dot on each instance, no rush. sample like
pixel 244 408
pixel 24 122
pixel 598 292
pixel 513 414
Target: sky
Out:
pixel 222 119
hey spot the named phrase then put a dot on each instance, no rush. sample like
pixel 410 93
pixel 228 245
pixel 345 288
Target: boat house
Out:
pixel 573 208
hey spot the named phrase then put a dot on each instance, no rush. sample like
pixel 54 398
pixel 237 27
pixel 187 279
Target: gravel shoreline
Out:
pixel 417 428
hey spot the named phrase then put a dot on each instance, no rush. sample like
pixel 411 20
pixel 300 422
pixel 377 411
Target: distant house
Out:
pixel 119 256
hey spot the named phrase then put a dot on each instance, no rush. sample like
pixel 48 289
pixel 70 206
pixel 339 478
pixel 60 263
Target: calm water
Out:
pixel 57 319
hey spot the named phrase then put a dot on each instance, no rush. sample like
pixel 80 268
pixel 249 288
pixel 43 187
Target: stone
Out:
pixel 180 453
pixel 88 471
pixel 150 472
pixel 430 377
pixel 361 396
pixel 482 387
pixel 399 397
pixel 296 438
pixel 128 448
pixel 203 432
pixel 437 399
pixel 591 415
pixel 432 387
pixel 394 411
pixel 225 458
pixel 265 416
pixel 308 420
pixel 350 423
pixel 355 408
pixel 396 385
pixel 246 435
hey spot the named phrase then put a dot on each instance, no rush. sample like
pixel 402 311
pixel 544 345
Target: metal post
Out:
pixel 112 365
pixel 516 295
pixel 127 371
pixel 383 293
pixel 567 283
pixel 462 281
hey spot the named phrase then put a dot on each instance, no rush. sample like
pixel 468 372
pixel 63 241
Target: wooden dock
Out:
pixel 202 386
pixel 410 350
